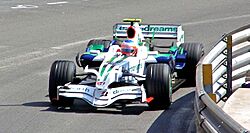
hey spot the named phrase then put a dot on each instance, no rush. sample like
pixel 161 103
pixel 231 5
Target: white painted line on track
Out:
pixel 57 3
pixel 3 67
pixel 24 7
pixel 2 47
pixel 38 55
pixel 217 20
pixel 77 43
pixel 26 59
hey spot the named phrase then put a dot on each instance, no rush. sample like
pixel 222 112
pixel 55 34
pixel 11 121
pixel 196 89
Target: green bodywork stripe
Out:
pixel 96 47
pixel 112 59
pixel 105 77
pixel 110 68
pixel 140 43
pixel 107 73
pixel 174 48
pixel 102 71
pixel 158 55
pixel 153 37
pixel 181 50
pixel 113 64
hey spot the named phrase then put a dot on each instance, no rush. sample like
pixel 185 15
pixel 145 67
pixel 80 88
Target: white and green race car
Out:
pixel 127 69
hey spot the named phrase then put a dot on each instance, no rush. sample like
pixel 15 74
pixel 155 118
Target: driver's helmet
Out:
pixel 129 48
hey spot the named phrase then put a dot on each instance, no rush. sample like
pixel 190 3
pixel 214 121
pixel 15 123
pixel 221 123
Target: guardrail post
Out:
pixel 229 65
pixel 207 80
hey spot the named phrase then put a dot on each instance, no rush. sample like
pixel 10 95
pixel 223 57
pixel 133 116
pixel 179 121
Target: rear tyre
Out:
pixel 158 86
pixel 61 72
pixel 194 53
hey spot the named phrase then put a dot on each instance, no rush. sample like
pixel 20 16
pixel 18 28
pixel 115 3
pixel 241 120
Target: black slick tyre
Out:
pixel 194 53
pixel 61 72
pixel 158 86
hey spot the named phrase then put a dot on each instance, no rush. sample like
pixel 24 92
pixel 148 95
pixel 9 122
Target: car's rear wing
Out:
pixel 159 31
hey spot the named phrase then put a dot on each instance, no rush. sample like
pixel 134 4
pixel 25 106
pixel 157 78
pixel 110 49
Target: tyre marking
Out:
pixel 26 58
pixel 38 55
pixel 24 7
pixel 57 3
pixel 3 47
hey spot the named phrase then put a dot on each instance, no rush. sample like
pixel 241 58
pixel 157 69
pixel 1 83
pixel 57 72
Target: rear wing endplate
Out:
pixel 159 31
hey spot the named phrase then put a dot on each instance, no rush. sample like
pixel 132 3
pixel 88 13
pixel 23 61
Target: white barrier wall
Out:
pixel 228 62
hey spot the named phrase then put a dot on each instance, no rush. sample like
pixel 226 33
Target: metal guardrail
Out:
pixel 218 74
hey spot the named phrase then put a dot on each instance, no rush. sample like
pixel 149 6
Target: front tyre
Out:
pixel 158 85
pixel 61 72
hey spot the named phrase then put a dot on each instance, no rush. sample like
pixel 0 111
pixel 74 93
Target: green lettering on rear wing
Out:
pixel 160 31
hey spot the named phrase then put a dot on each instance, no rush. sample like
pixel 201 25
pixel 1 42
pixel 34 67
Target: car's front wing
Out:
pixel 102 97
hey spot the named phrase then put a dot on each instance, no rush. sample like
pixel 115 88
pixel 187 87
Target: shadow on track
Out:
pixel 179 118
pixel 82 107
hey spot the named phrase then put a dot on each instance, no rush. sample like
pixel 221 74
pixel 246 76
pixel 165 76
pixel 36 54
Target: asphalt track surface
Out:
pixel 34 33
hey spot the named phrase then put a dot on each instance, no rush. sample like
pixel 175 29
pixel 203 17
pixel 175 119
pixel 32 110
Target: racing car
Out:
pixel 127 69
